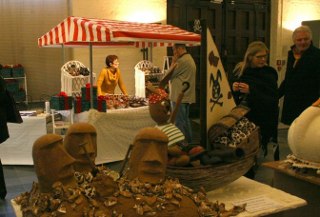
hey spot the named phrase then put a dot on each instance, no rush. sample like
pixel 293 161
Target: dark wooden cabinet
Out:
pixel 244 22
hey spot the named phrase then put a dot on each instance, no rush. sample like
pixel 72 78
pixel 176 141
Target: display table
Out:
pixel 301 183
pixel 116 130
pixel 17 150
pixel 261 199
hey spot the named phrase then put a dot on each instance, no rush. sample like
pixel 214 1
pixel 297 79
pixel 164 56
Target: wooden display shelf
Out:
pixel 21 82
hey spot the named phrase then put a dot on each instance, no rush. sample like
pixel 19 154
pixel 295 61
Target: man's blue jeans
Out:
pixel 183 121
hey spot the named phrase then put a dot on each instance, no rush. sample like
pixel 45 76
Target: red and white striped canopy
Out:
pixel 79 31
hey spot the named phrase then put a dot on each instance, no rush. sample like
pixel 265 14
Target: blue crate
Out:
pixel 12 85
pixel 18 72
pixel 6 72
pixel 20 96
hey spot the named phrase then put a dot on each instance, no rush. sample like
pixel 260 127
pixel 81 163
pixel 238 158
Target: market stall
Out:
pixel 215 100
pixel 89 32
pixel 116 130
pixel 80 31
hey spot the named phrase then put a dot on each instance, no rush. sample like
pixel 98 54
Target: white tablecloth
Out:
pixel 116 130
pixel 17 150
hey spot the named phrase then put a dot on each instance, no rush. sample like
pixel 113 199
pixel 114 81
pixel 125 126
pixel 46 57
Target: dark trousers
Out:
pixel 3 189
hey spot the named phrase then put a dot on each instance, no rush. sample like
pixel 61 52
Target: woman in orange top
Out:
pixel 110 77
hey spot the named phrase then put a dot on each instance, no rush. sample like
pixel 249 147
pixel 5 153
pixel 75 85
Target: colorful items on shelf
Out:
pixel 17 71
pixel 9 71
pixel 102 103
pixel 18 93
pixel 61 101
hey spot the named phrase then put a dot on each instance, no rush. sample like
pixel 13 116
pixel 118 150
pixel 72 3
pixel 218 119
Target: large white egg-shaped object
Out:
pixel 304 135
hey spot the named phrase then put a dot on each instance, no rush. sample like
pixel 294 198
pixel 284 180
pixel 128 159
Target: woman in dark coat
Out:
pixel 301 86
pixel 255 83
pixel 8 113
pixel 4 134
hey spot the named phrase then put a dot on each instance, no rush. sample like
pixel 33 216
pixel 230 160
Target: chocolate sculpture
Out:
pixel 49 170
pixel 143 191
pixel 81 143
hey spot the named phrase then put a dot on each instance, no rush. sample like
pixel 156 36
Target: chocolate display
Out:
pixel 143 191
pixel 49 170
pixel 118 101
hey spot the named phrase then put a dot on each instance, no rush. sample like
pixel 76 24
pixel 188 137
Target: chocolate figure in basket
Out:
pixel 159 108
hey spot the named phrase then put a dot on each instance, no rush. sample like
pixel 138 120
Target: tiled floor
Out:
pixel 20 178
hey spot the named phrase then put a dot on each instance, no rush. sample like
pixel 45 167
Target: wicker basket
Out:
pixel 214 176
pixel 70 84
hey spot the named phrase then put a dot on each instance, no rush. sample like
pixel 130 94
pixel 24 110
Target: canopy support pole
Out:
pixel 91 76
pixel 151 57
pixel 63 54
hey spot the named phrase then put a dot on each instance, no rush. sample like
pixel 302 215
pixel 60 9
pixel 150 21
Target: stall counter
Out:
pixel 116 130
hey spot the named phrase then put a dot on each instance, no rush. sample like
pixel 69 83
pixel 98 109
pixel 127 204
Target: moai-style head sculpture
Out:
pixel 81 143
pixel 52 162
pixel 149 156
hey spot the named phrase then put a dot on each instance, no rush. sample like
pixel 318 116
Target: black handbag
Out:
pixel 13 114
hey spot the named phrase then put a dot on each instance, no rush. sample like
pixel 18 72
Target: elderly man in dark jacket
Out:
pixel 301 86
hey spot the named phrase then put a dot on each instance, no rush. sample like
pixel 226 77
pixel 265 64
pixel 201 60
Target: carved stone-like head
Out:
pixel 52 162
pixel 148 159
pixel 81 143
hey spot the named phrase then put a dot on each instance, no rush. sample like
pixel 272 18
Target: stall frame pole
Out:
pixel 91 75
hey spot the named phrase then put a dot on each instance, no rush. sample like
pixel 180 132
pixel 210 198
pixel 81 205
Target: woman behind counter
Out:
pixel 110 77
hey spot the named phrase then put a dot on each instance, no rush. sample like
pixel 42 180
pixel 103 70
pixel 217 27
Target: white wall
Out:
pixel 22 22
pixel 146 11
